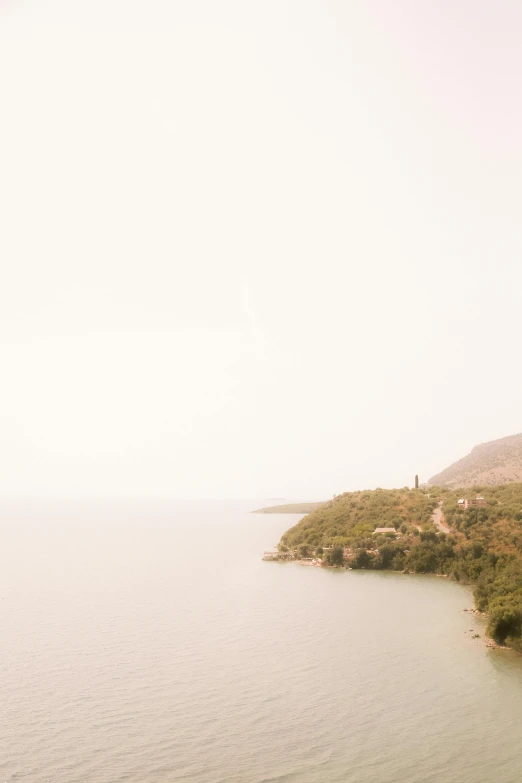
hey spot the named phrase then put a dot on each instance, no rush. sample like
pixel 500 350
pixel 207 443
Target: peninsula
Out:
pixel 472 535
pixel 289 508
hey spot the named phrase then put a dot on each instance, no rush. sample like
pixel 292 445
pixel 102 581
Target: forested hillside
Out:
pixel 492 537
pixel 347 517
pixel 484 545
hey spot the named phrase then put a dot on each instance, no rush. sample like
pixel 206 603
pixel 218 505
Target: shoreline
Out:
pixel 484 640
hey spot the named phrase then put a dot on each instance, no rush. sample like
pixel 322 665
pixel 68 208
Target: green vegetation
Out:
pixel 352 517
pixel 491 540
pixel 484 546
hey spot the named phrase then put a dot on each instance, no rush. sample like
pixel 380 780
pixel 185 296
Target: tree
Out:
pixel 387 554
pixel 362 559
pixel 505 618
pixel 337 556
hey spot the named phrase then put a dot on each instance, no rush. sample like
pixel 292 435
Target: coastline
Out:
pixel 473 540
pixel 484 640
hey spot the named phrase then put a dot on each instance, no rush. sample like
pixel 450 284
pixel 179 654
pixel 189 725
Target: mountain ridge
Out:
pixel 492 463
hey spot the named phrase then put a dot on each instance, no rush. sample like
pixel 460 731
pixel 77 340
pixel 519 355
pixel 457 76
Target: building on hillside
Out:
pixel 384 530
pixel 465 503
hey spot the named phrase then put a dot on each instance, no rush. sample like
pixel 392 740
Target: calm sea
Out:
pixel 150 644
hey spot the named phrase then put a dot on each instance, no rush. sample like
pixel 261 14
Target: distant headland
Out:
pixel 290 508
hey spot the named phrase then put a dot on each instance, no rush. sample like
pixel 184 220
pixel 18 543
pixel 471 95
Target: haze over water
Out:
pixel 150 643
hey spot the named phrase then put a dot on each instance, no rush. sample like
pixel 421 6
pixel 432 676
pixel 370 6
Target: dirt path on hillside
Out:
pixel 437 520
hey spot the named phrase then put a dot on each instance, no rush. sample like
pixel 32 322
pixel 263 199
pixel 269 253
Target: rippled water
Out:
pixel 150 643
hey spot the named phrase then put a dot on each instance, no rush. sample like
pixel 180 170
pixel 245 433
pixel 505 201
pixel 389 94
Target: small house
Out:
pixel 465 503
pixel 384 530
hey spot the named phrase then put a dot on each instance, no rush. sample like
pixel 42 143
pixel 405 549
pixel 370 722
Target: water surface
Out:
pixel 150 643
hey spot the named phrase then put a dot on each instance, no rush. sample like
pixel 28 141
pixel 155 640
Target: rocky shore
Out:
pixel 491 644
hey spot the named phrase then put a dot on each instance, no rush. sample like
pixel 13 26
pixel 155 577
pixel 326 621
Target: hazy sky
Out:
pixel 256 248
